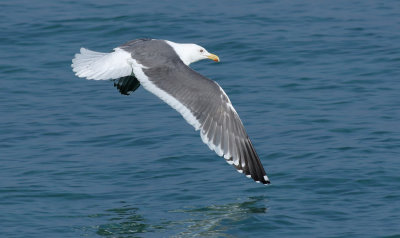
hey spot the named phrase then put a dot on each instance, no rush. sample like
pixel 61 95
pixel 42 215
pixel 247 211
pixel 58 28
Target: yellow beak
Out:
pixel 213 57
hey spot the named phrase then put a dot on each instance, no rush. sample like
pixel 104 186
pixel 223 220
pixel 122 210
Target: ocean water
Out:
pixel 316 84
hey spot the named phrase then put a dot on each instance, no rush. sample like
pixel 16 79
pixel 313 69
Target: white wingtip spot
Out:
pixel 240 171
pixel 266 178
pixel 229 162
pixel 249 176
pixel 257 181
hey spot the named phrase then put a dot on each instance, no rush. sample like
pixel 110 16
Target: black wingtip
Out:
pixel 264 180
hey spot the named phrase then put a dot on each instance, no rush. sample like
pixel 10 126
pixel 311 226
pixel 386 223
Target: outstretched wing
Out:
pixel 204 105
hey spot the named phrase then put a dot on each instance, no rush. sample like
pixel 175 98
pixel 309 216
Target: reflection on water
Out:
pixel 209 221
pixel 217 220
pixel 123 222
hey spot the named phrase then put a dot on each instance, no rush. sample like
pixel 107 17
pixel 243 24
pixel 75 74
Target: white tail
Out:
pixel 102 66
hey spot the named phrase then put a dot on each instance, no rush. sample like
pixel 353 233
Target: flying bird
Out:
pixel 162 67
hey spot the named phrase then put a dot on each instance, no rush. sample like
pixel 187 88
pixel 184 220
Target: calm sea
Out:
pixel 316 84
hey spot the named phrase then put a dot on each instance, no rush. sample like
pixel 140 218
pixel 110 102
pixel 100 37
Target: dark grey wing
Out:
pixel 204 104
pixel 126 85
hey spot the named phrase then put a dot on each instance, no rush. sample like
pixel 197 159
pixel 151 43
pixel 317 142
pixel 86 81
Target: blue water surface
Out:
pixel 316 84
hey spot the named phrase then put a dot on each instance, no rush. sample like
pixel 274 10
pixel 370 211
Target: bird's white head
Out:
pixel 190 53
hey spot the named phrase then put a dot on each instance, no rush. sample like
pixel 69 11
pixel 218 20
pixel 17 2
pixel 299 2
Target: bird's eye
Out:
pixel 201 50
